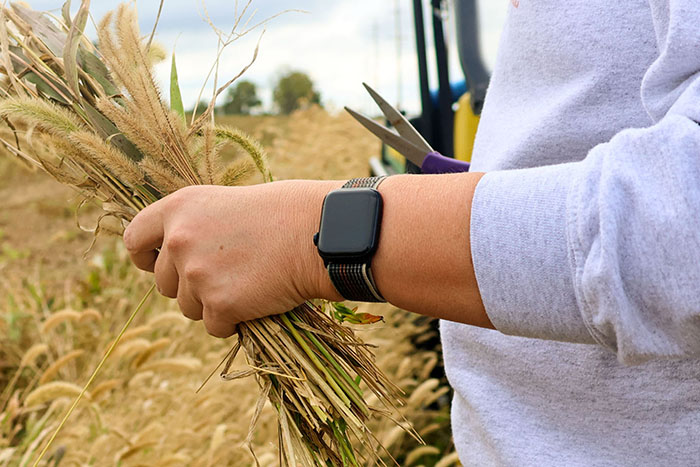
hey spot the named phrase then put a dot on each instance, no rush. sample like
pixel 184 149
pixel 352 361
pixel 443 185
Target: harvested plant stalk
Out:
pixel 93 117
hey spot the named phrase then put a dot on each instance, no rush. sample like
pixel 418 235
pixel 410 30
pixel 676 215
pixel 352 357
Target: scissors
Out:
pixel 406 139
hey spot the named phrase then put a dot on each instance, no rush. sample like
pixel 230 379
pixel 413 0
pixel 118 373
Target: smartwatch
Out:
pixel 348 235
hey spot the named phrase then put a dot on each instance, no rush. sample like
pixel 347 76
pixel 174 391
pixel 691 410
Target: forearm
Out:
pixel 233 254
pixel 423 263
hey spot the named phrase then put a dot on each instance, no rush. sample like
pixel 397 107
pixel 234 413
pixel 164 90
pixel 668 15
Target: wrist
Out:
pixel 315 280
pixel 348 235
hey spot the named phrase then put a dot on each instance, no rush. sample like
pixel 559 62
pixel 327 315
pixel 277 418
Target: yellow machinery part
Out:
pixel 466 124
pixel 395 159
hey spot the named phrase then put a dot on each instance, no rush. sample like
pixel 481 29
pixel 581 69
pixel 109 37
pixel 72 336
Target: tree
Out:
pixel 242 98
pixel 293 89
pixel 201 107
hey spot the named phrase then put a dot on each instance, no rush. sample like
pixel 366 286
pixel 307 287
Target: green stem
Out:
pixel 315 360
pixel 344 445
pixel 352 391
pixel 322 348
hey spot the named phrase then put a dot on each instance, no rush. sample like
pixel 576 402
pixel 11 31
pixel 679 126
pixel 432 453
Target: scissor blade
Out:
pixel 398 121
pixel 401 144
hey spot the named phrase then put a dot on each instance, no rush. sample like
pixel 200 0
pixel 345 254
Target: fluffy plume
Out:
pixel 41 113
pixel 250 146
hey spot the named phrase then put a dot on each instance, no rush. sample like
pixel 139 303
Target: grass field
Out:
pixel 59 312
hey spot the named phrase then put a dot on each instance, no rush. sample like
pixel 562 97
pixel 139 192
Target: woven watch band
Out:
pixel 355 281
pixel 364 182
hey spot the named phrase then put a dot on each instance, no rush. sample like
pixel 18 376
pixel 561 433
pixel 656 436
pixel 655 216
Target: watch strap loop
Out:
pixel 354 281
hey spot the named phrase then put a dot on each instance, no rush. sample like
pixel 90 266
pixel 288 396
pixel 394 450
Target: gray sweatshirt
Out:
pixel 586 242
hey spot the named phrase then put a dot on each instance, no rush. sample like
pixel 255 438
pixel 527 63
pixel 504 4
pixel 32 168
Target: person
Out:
pixel 566 266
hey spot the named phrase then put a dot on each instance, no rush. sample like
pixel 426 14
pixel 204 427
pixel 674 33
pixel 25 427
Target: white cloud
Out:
pixel 339 43
pixel 334 44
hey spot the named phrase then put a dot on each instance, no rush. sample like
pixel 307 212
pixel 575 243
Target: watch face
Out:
pixel 350 224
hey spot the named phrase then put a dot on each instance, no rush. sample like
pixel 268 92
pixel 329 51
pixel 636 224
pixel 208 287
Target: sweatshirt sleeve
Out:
pixel 607 250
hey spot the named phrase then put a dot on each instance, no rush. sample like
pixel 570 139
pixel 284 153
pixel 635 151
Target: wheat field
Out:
pixel 60 312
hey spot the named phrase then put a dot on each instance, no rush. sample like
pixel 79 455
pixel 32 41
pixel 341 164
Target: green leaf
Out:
pixel 94 67
pixel 18 67
pixel 94 282
pixel 175 96
pixel 12 317
pixel 41 82
pixel 70 49
pixel 108 130
pixel 34 291
pixel 344 314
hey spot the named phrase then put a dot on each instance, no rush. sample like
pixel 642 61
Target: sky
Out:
pixel 339 43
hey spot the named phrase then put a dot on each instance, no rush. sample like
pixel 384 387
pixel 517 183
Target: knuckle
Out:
pixel 179 197
pixel 129 240
pixel 177 240
pixel 219 305
pixel 195 273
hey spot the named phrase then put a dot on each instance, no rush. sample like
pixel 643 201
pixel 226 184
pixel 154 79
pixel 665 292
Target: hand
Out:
pixel 233 254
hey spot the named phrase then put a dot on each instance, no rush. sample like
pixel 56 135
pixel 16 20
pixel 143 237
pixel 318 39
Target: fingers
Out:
pixel 144 260
pixel 217 325
pixel 190 305
pixel 143 235
pixel 167 278
pixel 217 321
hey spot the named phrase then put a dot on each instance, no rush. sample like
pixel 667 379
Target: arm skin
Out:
pixel 231 254
pixel 424 262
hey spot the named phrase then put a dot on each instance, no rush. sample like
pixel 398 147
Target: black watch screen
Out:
pixel 349 229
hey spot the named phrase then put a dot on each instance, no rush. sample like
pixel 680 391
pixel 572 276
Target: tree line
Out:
pixel 292 90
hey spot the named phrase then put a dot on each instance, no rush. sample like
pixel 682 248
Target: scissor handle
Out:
pixel 436 163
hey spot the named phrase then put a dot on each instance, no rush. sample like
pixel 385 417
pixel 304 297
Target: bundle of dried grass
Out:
pixel 93 118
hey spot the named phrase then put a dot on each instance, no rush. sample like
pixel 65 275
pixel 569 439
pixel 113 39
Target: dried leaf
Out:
pixel 239 374
pixel 43 28
pixel 6 59
pixel 70 50
pixel 65 12
pixel 254 420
